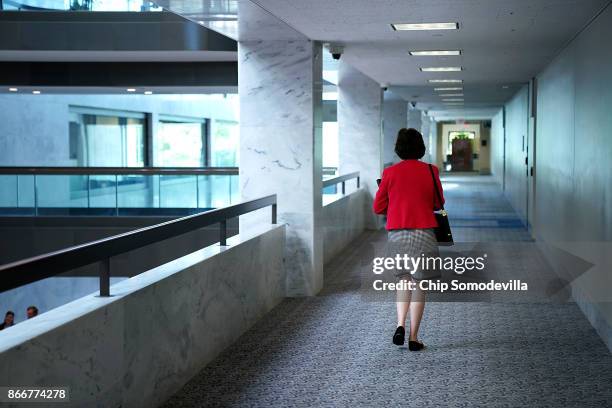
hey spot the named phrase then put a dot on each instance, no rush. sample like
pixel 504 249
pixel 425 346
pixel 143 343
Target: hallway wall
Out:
pixel 516 151
pixel 573 209
pixel 574 171
pixel 497 147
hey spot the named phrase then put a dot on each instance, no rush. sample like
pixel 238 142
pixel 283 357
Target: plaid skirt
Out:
pixel 413 243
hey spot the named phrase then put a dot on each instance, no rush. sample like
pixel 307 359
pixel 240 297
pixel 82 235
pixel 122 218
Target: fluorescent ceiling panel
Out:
pixel 446 81
pixel 424 26
pixel 441 69
pixel 434 53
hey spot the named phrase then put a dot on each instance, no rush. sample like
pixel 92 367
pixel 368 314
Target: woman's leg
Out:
pixel 403 304
pixel 416 313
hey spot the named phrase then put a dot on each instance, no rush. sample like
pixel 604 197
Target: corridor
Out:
pixel 335 349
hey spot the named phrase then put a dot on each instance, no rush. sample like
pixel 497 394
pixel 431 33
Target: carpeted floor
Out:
pixel 335 349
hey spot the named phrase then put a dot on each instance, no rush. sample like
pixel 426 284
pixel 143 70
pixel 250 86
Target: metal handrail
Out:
pixel 120 170
pixel 40 267
pixel 329 171
pixel 342 179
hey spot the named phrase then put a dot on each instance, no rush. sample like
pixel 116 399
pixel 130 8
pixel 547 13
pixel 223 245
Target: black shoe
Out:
pixel 415 345
pixel 398 337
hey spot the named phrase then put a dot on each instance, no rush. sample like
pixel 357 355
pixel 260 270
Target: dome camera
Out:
pixel 336 50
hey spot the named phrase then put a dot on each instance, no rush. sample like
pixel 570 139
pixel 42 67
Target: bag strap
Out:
pixel 433 177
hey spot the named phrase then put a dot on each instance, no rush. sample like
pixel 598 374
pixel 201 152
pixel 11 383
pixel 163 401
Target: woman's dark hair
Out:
pixel 409 144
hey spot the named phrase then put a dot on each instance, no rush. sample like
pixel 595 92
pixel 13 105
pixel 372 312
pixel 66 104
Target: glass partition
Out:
pixel 116 194
pixel 80 5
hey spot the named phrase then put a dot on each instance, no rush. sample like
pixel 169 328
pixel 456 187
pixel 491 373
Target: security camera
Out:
pixel 384 87
pixel 413 104
pixel 335 50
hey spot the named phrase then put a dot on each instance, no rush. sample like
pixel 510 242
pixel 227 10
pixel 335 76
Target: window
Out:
pixel 224 144
pixel 180 142
pixel 105 138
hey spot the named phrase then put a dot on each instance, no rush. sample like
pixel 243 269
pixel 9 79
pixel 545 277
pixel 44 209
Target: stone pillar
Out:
pixel 414 119
pixel 280 88
pixel 426 132
pixel 395 117
pixel 360 101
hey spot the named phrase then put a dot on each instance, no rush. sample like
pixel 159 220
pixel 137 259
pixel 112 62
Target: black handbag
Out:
pixel 444 236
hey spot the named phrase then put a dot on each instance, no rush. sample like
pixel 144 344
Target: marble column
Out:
pixel 414 119
pixel 425 131
pixel 360 101
pixel 395 117
pixel 280 88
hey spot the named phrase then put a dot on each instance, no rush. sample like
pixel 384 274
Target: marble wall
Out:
pixel 280 87
pixel 44 237
pixel 140 346
pixel 343 222
pixel 360 103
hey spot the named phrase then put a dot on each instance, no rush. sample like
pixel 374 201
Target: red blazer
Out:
pixel 406 194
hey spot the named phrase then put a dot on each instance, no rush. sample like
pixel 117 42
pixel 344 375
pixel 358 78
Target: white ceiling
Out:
pixel 504 42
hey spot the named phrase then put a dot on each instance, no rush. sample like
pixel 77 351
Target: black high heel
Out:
pixel 415 345
pixel 399 336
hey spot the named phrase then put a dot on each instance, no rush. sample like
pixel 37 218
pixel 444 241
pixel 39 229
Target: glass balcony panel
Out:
pixel 8 191
pixel 178 191
pixel 57 194
pixel 26 191
pixel 214 191
pixel 137 191
pixel 102 192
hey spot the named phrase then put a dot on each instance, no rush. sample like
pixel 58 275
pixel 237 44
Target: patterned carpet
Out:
pixel 335 349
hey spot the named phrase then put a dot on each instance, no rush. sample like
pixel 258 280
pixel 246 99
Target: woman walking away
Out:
pixel 406 195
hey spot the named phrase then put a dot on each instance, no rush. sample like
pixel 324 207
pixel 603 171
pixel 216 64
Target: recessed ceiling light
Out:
pixel 130 90
pixel 453 100
pixel 424 26
pixel 454 103
pixel 441 69
pixel 148 92
pixel 459 94
pixel 36 92
pixel 446 81
pixel 448 89
pixel 13 89
pixel 434 53
pixel 505 87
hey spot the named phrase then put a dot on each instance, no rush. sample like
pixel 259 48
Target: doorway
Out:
pixel 460 150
